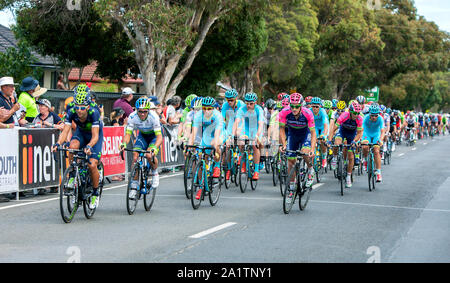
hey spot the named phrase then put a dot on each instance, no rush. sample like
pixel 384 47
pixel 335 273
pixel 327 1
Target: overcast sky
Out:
pixel 437 11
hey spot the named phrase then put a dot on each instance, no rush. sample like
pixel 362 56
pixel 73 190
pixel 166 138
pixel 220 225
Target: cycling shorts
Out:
pixel 297 143
pixel 84 138
pixel 371 138
pixel 346 135
pixel 143 142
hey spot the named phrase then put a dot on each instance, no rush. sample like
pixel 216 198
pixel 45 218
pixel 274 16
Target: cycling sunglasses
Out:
pixel 315 106
pixel 354 113
pixel 249 102
pixel 81 107
pixel 231 99
pixel 206 108
pixel 373 115
pixel 295 106
pixel 143 111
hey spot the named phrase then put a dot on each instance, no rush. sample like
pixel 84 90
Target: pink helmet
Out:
pixel 285 102
pixel 355 107
pixel 296 98
pixel 280 95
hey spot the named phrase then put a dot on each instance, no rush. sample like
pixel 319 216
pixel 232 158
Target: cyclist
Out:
pixel 301 133
pixel 208 127
pixel 149 139
pixel 327 104
pixel 250 124
pixel 374 132
pixel 350 131
pixel 186 111
pixel 88 134
pixel 321 124
pixel 387 124
pixel 229 111
pixel 308 100
pixel 411 123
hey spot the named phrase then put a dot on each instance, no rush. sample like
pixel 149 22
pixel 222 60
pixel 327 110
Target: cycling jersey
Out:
pixel 372 130
pixel 83 133
pixel 386 119
pixel 148 129
pixel 320 120
pixel 348 127
pixel 229 115
pixel 208 127
pixel 249 120
pixel 298 134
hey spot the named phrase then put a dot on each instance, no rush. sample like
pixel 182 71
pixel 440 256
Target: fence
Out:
pixel 26 160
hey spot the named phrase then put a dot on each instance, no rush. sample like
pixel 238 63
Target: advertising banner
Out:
pixel 169 154
pixel 9 161
pixel 112 162
pixel 37 167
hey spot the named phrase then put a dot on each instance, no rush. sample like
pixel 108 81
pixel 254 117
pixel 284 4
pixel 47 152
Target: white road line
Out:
pixel 401 154
pixel 425 143
pixel 316 186
pixel 413 148
pixel 381 205
pixel 57 198
pixel 212 230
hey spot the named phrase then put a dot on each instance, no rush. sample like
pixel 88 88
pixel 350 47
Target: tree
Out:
pixel 231 45
pixel 75 37
pixel 161 31
pixel 16 63
pixel 345 51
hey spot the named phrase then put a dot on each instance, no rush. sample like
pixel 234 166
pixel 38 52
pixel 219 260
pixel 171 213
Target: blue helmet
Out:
pixel 208 101
pixel 251 97
pixel 316 100
pixel 143 103
pixel 334 103
pixel 232 93
pixel 388 111
pixel 374 109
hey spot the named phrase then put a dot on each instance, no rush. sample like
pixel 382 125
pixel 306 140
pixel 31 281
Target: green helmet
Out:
pixel 189 99
pixel 82 94
pixel 327 104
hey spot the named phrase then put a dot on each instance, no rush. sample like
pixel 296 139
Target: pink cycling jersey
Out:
pixel 346 122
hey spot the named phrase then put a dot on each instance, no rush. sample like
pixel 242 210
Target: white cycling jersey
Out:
pixel 148 126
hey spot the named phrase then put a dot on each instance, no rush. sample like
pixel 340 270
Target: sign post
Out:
pixel 373 94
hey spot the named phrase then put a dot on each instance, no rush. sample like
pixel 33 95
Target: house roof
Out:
pixel 88 75
pixel 7 40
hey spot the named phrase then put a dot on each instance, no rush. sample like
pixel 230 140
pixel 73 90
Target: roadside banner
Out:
pixel 37 167
pixel 112 162
pixel 9 161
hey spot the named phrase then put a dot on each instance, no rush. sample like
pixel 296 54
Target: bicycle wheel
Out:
pixel 68 197
pixel 253 183
pixel 341 173
pixel 215 187
pixel 267 164
pixel 275 177
pixel 149 197
pixel 198 184
pixel 132 202
pixel 228 166
pixel 290 194
pixel 188 176
pixel 370 171
pixel 243 177
pixel 317 168
pixel 88 212
pixel 283 174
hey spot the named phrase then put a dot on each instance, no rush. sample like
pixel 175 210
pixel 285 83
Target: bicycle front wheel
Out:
pixel 188 172
pixel 243 175
pixel 290 194
pixel 215 187
pixel 198 185
pixel 68 195
pixel 133 194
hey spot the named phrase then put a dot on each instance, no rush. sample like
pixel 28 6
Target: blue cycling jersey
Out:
pixel 207 127
pixel 229 115
pixel 92 120
pixel 320 119
pixel 373 128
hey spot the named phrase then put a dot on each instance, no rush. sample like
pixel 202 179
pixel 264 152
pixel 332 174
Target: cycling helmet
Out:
pixel 281 95
pixel 388 111
pixel 196 103
pixel 189 99
pixel 285 102
pixel 230 94
pixel 82 94
pixel 270 103
pixel 286 95
pixel 334 103
pixel 296 98
pixel 355 107
pixel 383 108
pixel 361 99
pixel 316 100
pixel 143 103
pixel 250 97
pixel 374 109
pixel 341 105
pixel 308 100
pixel 279 105
pixel 208 101
pixel 327 104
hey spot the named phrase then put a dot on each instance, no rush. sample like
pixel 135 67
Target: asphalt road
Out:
pixel 406 219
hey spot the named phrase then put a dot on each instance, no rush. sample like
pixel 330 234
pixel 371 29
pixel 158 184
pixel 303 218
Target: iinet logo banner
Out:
pixel 37 164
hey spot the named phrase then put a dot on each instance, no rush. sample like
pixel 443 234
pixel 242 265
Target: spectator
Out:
pixel 173 118
pixel 100 106
pixel 47 118
pixel 116 116
pixel 7 101
pixel 60 84
pixel 125 103
pixel 30 91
